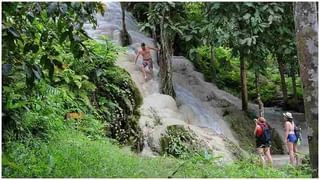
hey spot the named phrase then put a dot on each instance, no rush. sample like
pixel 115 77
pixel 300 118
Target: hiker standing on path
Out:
pixel 147 60
pixel 263 140
pixel 290 137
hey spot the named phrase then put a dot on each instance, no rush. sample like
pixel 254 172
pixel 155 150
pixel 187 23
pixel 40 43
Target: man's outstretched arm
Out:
pixel 156 49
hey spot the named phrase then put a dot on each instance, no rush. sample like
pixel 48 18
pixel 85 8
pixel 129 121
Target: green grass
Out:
pixel 68 153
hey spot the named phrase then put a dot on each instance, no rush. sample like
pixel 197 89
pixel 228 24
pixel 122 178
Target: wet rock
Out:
pixel 164 106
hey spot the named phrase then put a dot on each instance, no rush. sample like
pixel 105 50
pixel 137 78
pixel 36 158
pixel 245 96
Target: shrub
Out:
pixel 178 142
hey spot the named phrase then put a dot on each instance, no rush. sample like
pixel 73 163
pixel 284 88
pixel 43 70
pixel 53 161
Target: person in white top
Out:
pixel 290 137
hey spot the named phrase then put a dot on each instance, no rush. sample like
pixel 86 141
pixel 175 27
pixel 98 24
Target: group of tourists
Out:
pixel 292 138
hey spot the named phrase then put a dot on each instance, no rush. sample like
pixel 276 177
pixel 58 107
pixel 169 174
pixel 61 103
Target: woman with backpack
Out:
pixel 290 137
pixel 262 133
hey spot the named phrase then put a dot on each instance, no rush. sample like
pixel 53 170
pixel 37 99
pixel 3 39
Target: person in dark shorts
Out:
pixel 147 60
pixel 262 133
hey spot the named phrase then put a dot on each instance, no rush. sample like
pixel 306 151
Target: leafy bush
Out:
pixel 178 142
pixel 89 126
pixel 226 67
pixel 200 59
pixel 116 97
pixel 91 84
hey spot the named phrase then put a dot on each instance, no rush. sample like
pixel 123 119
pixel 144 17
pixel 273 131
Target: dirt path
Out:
pixel 280 160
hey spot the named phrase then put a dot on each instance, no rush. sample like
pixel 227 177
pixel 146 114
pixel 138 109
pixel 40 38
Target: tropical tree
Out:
pixel 294 69
pixel 292 66
pixel 125 37
pixel 168 15
pixel 210 37
pixel 244 25
pixel 155 25
pixel 258 66
pixel 284 49
pixel 306 24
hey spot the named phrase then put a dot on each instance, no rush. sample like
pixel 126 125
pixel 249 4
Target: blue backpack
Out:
pixel 297 132
pixel 266 133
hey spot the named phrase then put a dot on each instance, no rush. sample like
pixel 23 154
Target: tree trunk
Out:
pixel 260 103
pixel 125 37
pixel 154 35
pixel 261 107
pixel 306 25
pixel 166 85
pixel 294 85
pixel 213 63
pixel 283 80
pixel 293 72
pixel 257 77
pixel 243 76
pixel 153 30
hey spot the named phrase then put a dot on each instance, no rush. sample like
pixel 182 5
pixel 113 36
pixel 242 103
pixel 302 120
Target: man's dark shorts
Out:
pixel 261 144
pixel 147 62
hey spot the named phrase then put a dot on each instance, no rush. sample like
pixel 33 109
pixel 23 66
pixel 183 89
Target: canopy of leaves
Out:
pixel 32 33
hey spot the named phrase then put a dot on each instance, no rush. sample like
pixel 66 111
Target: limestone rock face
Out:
pixel 159 111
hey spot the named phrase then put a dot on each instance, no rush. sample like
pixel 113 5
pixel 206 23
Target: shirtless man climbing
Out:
pixel 147 60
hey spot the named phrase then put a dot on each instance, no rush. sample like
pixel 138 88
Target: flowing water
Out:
pixel 198 104
pixel 187 108
pixel 199 111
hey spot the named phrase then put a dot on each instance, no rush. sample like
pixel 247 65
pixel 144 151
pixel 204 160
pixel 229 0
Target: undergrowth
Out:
pixel 68 153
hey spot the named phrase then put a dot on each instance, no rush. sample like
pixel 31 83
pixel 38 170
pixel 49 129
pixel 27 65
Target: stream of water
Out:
pixel 110 25
pixel 189 106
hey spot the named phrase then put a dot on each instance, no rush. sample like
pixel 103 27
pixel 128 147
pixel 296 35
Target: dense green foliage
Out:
pixel 40 118
pixel 100 90
pixel 33 33
pixel 46 87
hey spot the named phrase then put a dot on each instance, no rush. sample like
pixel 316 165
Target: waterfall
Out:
pixel 110 25
pixel 190 111
pixel 199 114
pixel 198 103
